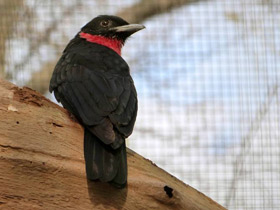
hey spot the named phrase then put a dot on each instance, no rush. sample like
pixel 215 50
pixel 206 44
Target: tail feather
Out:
pixel 103 162
pixel 120 179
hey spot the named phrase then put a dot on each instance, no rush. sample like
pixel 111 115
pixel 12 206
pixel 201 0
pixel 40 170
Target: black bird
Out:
pixel 93 82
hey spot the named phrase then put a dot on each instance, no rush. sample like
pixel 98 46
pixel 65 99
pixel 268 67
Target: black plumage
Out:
pixel 93 82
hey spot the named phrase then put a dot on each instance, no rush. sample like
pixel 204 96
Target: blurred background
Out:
pixel 207 74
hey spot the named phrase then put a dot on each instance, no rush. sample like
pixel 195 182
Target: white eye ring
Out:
pixel 104 23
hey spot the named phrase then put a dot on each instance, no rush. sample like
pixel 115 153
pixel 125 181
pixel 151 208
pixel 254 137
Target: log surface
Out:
pixel 42 165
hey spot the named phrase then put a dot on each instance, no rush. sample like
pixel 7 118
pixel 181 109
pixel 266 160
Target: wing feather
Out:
pixel 105 102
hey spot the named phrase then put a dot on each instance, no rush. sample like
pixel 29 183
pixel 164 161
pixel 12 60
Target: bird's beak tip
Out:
pixel 132 28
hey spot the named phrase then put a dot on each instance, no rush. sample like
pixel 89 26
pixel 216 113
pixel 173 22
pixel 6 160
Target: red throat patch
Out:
pixel 113 44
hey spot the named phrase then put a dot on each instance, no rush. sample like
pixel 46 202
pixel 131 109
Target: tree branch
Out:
pixel 134 14
pixel 9 15
pixel 44 37
pixel 42 165
pixel 246 141
pixel 145 9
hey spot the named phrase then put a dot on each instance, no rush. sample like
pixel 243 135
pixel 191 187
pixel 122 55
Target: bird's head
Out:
pixel 110 31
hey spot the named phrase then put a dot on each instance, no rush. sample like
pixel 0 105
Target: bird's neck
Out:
pixel 113 44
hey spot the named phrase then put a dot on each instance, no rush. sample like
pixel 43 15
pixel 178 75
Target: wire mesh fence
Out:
pixel 207 76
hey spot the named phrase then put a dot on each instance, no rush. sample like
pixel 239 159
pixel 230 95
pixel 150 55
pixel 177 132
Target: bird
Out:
pixel 93 82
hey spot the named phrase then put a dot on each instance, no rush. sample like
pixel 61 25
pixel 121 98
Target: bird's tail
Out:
pixel 103 162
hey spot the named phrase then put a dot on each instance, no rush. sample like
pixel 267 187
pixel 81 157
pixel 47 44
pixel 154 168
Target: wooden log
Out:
pixel 42 165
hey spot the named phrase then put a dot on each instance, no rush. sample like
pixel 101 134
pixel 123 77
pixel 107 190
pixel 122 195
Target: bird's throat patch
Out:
pixel 113 44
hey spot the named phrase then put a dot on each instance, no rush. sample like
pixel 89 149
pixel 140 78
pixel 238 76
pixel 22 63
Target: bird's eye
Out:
pixel 104 23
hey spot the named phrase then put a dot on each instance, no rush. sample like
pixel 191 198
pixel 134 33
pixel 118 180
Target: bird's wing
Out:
pixel 104 102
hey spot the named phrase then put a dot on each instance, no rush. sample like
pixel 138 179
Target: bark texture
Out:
pixel 42 165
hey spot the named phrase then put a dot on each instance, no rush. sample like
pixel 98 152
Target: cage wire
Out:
pixel 207 76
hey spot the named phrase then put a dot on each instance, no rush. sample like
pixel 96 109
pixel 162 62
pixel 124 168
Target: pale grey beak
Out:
pixel 131 28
